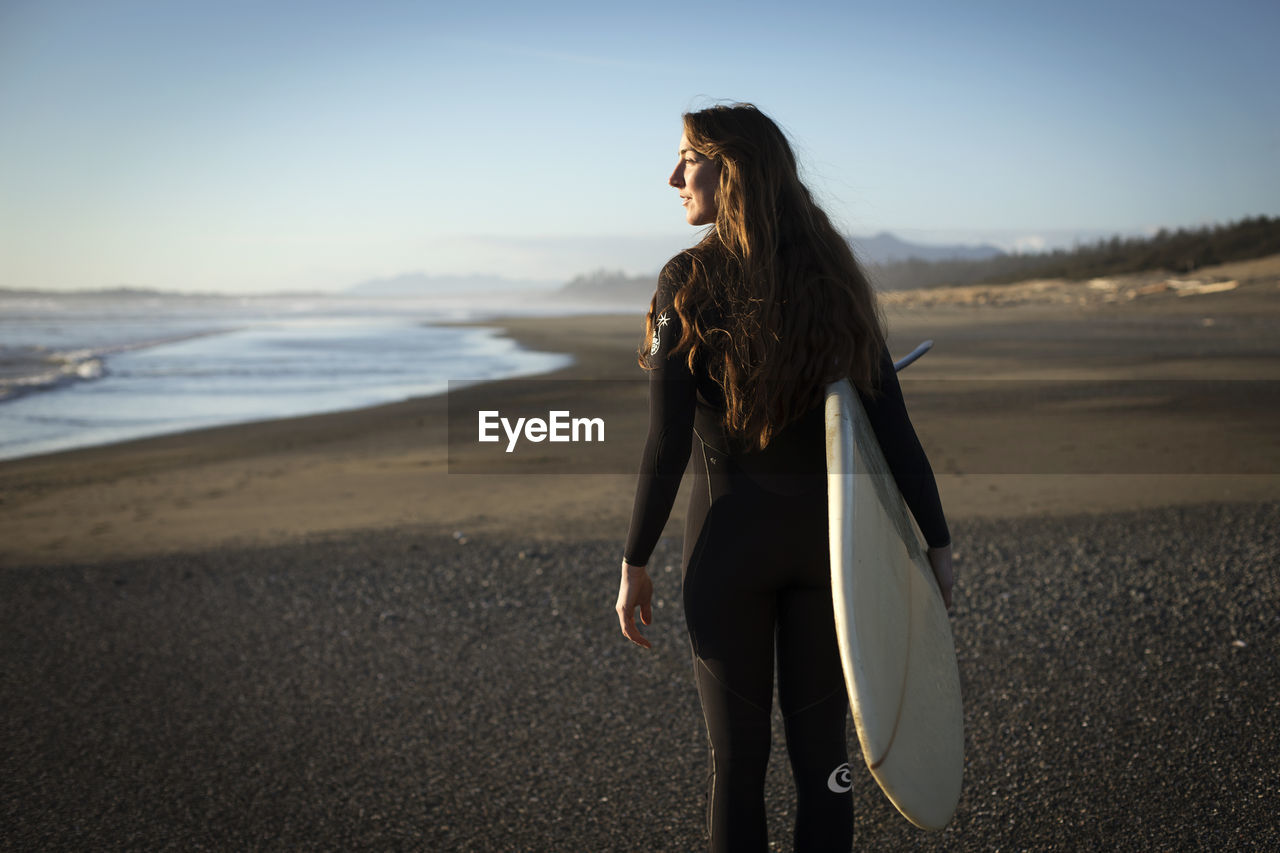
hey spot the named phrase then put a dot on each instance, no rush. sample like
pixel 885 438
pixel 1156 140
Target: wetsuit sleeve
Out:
pixel 672 402
pixel 887 412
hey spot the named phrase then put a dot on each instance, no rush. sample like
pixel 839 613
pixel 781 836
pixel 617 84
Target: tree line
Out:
pixel 1180 252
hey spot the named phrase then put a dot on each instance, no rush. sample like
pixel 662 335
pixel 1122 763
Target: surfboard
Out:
pixel 895 637
pixel 911 357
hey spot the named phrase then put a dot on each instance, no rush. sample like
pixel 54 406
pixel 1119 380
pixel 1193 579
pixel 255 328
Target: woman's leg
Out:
pixel 811 692
pixel 731 629
pixel 738 730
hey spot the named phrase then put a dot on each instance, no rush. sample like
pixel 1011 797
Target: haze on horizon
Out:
pixel 241 147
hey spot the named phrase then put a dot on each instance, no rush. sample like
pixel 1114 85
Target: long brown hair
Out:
pixel 774 303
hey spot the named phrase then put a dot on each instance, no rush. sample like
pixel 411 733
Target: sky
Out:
pixel 251 147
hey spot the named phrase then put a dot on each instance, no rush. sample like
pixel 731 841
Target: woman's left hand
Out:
pixel 635 590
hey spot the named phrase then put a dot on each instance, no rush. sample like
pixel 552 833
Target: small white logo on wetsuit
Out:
pixel 841 779
pixel 657 333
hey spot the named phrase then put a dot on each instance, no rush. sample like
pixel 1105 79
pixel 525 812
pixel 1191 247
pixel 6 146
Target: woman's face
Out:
pixel 696 177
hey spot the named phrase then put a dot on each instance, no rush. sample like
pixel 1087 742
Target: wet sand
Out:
pixel 309 634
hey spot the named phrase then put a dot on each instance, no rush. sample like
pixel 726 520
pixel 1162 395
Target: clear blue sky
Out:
pixel 250 146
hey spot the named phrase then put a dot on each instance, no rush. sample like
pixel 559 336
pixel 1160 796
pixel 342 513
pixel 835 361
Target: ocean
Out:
pixel 78 370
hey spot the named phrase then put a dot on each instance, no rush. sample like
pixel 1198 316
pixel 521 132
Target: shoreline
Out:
pixel 38 401
pixel 997 454
pixel 273 481
pixel 945 306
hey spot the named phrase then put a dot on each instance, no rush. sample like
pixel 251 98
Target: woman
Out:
pixel 745 331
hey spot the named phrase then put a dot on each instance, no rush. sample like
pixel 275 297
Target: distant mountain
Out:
pixel 885 248
pixel 420 284
pixel 605 285
pixel 610 286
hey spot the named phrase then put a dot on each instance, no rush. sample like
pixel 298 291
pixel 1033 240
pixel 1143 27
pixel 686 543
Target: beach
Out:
pixel 330 632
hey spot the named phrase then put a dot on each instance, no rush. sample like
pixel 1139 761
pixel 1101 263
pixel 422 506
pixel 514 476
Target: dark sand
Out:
pixel 409 692
pixel 268 637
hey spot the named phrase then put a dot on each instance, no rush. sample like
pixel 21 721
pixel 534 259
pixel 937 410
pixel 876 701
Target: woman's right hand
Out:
pixel 636 590
pixel 940 562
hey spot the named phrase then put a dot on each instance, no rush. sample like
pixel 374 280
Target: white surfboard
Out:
pixel 895 638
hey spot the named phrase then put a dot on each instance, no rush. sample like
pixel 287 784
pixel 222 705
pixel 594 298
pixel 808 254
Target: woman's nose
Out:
pixel 677 177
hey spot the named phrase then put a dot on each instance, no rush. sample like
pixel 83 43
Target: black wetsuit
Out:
pixel 757 574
